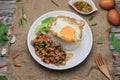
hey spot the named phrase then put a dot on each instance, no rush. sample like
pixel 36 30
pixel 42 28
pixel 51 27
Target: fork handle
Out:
pixel 107 74
pixel 109 77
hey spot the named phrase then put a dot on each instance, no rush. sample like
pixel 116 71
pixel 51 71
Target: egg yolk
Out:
pixel 68 32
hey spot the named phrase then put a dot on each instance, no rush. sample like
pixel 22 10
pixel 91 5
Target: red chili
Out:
pixel 17 65
pixel 113 55
pixel 54 2
pixel 15 55
pixel 1 65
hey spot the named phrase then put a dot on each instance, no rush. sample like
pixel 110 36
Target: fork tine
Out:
pixel 103 59
pixel 97 60
pixel 100 59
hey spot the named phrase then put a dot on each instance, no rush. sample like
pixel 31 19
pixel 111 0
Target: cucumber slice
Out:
pixel 42 28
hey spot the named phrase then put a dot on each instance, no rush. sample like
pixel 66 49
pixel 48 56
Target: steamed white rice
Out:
pixel 66 46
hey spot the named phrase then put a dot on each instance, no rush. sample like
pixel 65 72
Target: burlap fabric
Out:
pixel 31 70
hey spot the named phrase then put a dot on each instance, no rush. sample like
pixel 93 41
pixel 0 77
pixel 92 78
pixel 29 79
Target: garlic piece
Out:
pixel 13 39
pixel 1 18
pixel 24 16
pixel 4 51
pixel 9 33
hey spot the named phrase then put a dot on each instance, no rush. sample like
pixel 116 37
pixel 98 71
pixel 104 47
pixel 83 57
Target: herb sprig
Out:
pixel 55 3
pixel 23 19
pixel 99 42
pixel 91 18
pixel 94 24
pixel 115 42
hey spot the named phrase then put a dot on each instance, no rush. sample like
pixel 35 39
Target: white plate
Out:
pixel 80 53
pixel 89 1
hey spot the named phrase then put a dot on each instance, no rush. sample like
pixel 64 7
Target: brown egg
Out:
pixel 107 4
pixel 113 17
pixel 119 15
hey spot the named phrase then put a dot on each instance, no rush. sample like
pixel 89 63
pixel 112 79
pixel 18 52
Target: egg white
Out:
pixel 60 23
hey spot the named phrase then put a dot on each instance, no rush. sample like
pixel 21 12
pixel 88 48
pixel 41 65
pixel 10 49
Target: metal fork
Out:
pixel 100 61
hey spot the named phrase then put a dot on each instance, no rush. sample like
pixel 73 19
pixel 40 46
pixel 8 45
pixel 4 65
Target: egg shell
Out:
pixel 119 15
pixel 113 17
pixel 107 4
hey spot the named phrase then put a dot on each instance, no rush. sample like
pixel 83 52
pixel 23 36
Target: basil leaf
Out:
pixel 99 42
pixel 3 40
pixel 94 24
pixel 115 42
pixel 18 0
pixel 3 28
pixel 23 11
pixel 3 31
pixel 3 43
pixel 91 18
pixel 21 22
pixel 3 78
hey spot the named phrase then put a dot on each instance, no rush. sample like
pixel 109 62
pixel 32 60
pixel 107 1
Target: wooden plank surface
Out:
pixel 6 14
pixel 116 30
pixel 10 5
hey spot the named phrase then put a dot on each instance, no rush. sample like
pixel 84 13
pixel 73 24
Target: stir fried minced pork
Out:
pixel 48 51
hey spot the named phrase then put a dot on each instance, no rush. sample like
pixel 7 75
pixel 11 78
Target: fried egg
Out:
pixel 66 28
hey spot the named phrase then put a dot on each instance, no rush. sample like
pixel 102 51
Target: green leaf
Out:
pixel 115 42
pixel 43 26
pixel 3 43
pixel 3 78
pixel 3 31
pixel 18 0
pixel 91 18
pixel 23 11
pixel 3 28
pixel 3 40
pixel 21 22
pixel 47 20
pixel 99 42
pixel 94 24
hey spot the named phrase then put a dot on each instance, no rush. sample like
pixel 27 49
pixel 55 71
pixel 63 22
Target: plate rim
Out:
pixel 35 57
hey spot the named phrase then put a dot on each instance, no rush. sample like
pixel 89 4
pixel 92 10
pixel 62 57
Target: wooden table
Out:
pixel 6 14
pixel 116 30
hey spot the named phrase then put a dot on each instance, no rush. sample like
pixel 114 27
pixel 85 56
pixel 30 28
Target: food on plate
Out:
pixel 113 17
pixel 83 6
pixel 66 46
pixel 66 28
pixel 48 51
pixel 56 37
pixel 69 56
pixel 107 4
pixel 43 26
